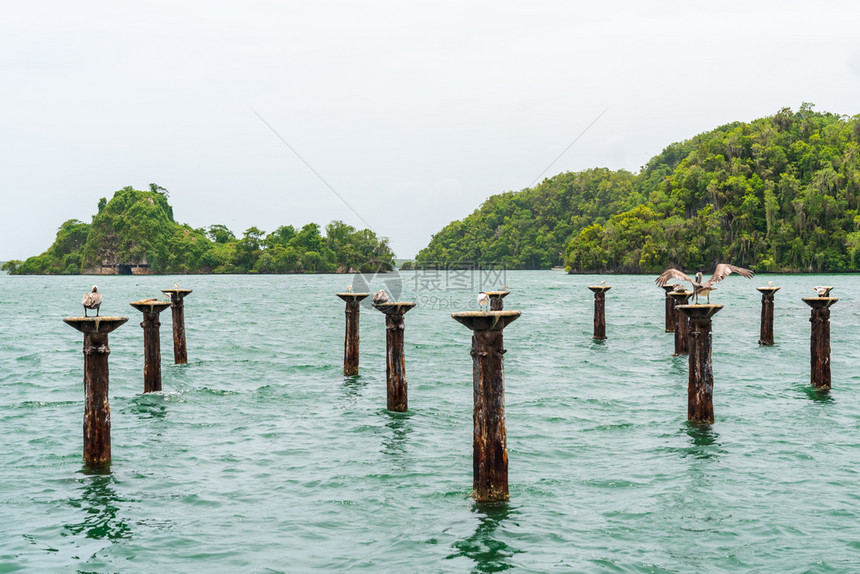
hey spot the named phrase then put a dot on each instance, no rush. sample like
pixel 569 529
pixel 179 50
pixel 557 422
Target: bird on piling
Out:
pixel 380 297
pixel 823 291
pixel 175 285
pixel 349 288
pixel 92 300
pixel 722 271
pixel 483 299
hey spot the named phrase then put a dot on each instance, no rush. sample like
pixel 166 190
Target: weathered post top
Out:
pixel 600 288
pixel 820 302
pixel 100 325
pixel 768 289
pixel 150 305
pixel 699 311
pixel 394 308
pixel 680 295
pixel 352 296
pixel 486 320
pixel 177 293
pixel 498 294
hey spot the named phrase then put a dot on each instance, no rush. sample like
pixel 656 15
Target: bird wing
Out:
pixel 723 270
pixel 672 274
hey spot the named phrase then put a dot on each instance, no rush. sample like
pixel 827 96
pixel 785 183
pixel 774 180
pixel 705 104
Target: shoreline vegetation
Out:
pixel 779 194
pixel 135 234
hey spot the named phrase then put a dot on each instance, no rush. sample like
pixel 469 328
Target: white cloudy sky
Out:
pixel 414 112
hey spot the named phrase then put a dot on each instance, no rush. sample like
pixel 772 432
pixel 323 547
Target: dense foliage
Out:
pixel 780 193
pixel 529 229
pixel 136 228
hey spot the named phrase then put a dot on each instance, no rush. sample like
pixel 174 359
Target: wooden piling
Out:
pixel 700 389
pixel 670 309
pixel 489 438
pixel 766 335
pixel 350 340
pixel 819 343
pixel 180 352
pixel 96 382
pixel 151 309
pixel 681 322
pixel 496 297
pixel 600 310
pixel 395 368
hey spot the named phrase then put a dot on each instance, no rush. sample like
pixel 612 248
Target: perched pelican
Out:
pixel 349 288
pixel 823 291
pixel 380 297
pixel 483 299
pixel 92 300
pixel 722 271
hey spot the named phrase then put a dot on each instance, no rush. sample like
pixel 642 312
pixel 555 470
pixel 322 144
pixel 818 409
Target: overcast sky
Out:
pixel 413 112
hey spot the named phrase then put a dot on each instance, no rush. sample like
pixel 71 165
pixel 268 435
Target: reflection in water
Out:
pixel 150 406
pixel 352 387
pixel 704 443
pixel 100 504
pixel 484 547
pixel 394 442
pixel 818 395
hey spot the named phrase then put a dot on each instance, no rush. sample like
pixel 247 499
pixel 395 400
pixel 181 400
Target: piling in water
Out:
pixel 395 368
pixel 489 439
pixel 96 379
pixel 350 340
pixel 180 353
pixel 670 309
pixel 819 343
pixel 600 310
pixel 766 336
pixel 151 309
pixel 496 297
pixel 681 322
pixel 700 389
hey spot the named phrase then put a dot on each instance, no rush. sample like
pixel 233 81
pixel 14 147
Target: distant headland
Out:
pixel 135 234
pixel 777 194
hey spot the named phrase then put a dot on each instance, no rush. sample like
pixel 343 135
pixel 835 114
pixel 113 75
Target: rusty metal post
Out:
pixel 766 335
pixel 681 321
pixel 489 438
pixel 96 379
pixel 670 309
pixel 395 368
pixel 350 341
pixel 700 389
pixel 819 343
pixel 180 352
pixel 496 297
pixel 151 309
pixel 600 310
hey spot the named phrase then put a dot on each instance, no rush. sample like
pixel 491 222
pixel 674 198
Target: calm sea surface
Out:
pixel 259 456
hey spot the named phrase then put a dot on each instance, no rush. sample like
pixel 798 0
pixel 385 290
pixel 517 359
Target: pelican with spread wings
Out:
pixel 722 271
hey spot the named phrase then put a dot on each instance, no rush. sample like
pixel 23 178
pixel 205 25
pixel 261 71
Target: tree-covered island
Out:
pixel 780 193
pixel 135 232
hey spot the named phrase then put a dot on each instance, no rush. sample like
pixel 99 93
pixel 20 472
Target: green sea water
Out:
pixel 259 456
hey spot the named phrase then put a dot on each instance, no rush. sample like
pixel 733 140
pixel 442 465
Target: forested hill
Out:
pixel 135 233
pixel 780 193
